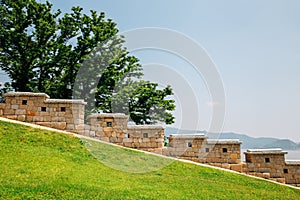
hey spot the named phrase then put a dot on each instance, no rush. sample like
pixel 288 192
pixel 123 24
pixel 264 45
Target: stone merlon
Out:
pixel 108 115
pixel 188 136
pixel 67 101
pixel 224 141
pixel 25 94
pixel 265 151
pixel 146 127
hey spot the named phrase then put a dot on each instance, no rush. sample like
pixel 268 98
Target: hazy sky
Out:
pixel 255 45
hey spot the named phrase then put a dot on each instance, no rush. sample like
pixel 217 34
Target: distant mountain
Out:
pixel 248 142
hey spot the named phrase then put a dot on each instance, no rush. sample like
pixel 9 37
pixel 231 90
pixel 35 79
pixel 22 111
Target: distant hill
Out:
pixel 248 142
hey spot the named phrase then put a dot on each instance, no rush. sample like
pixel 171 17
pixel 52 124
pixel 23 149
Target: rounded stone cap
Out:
pixel 67 101
pixel 265 151
pixel 147 127
pixel 108 115
pixel 188 136
pixel 25 94
pixel 292 162
pixel 224 141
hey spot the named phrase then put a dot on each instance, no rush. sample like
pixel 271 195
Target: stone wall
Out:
pixel 291 172
pixel 113 127
pixel 68 115
pixel 38 108
pixel 198 148
pixel 271 164
pixel 145 137
pixel 109 127
pixel 187 146
pixel 222 151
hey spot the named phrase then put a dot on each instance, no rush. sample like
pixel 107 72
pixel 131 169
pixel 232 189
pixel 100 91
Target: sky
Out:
pixel 254 45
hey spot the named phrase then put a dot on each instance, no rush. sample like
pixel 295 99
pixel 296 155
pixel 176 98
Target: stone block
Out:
pixel 59 125
pixel 112 139
pixel 236 167
pixel 9 112
pixel 92 133
pixel 165 151
pixel 233 156
pixel 280 180
pixel 160 144
pixel 80 126
pixel 47 118
pixel 47 124
pixel 233 161
pixel 38 119
pixel 225 165
pixel 127 140
pixel 263 170
pixel 29 118
pixel 114 134
pixel 109 120
pixel 146 139
pixel 21 118
pixel 128 144
pixel 70 127
pixel 266 175
pixel 119 140
pixel 20 112
pixel 195 159
pixel 106 129
pixel 58 119
pixel 23 106
pixel 31 113
pixel 15 106
pixel 82 132
pixel 2 105
pixel 216 164
pixel 189 154
pixel 13 117
pixel 158 151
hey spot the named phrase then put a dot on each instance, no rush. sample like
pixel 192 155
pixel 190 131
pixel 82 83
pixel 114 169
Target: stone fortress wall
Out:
pixel 68 115
pixel 38 108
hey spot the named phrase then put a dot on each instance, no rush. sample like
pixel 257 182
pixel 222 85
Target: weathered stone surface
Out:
pixel 48 124
pixel 13 117
pixel 14 106
pixel 21 118
pixel 30 113
pixel 59 125
pixel 236 167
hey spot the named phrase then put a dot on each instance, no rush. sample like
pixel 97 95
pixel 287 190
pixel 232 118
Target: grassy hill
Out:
pixel 38 164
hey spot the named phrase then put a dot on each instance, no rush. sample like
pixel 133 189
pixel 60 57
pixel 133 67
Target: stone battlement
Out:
pixel 68 114
pixel 265 151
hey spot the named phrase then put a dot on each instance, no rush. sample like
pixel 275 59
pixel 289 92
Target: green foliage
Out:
pixel 7 88
pixel 38 164
pixel 145 102
pixel 41 51
pixel 45 51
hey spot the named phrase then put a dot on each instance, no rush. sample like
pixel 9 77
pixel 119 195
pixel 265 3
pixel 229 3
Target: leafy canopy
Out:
pixel 76 55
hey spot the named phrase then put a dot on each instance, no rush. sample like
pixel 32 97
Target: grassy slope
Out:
pixel 37 164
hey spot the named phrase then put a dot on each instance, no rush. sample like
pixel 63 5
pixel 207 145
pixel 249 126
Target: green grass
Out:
pixel 37 164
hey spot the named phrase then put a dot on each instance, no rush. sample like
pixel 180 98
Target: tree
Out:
pixel 145 103
pixel 44 51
